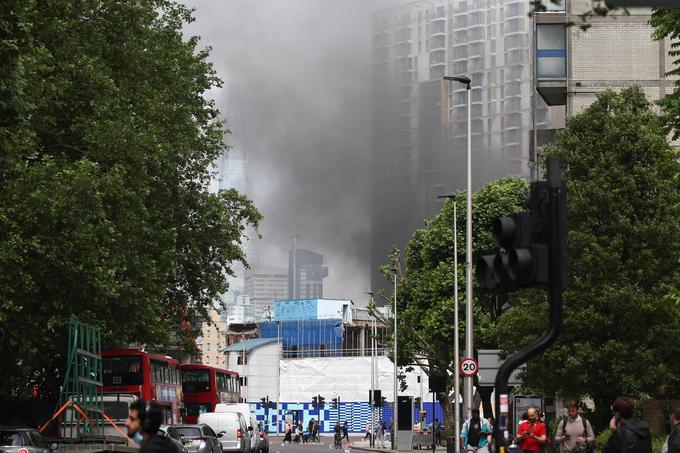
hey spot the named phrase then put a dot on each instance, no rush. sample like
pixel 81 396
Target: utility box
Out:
pixel 405 423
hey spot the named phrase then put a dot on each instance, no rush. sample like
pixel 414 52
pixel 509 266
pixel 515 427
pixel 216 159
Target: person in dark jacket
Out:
pixel 345 431
pixel 144 420
pixel 674 436
pixel 629 436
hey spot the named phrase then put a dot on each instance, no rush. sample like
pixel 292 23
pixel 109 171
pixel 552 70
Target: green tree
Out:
pixel 425 286
pixel 620 313
pixel 666 23
pixel 107 143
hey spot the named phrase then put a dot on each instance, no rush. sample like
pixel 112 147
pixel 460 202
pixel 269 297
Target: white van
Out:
pixel 258 443
pixel 231 429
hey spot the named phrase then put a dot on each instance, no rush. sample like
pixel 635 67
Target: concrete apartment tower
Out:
pixel 528 72
pixel 420 122
pixel 212 340
pixel 616 51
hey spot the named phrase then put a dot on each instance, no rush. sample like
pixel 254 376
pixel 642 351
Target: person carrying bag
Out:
pixel 575 433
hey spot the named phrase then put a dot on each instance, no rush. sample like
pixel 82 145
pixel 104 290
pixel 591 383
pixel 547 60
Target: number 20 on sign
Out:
pixel 469 367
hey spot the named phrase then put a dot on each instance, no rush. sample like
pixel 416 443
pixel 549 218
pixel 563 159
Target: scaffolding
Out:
pixel 81 396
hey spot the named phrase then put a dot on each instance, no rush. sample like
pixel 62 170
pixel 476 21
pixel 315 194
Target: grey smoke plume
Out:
pixel 300 70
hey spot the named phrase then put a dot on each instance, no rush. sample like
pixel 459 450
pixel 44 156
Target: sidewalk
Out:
pixel 364 445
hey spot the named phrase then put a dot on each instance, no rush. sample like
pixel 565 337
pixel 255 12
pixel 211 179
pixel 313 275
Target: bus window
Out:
pixel 195 381
pixel 119 371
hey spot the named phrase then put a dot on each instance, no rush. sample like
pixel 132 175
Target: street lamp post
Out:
pixel 467 401
pixel 456 346
pixel 395 410
pixel 372 398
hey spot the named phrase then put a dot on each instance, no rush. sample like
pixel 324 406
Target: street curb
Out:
pixel 379 450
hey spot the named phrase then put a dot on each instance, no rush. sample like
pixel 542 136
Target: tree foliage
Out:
pixel 620 308
pixel 107 142
pixel 666 23
pixel 425 287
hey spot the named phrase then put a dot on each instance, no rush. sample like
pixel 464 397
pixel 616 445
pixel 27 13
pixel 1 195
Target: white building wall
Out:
pixel 346 377
pixel 262 371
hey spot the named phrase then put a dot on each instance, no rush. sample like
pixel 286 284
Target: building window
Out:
pixel 551 51
pixel 552 5
pixel 242 360
pixel 243 380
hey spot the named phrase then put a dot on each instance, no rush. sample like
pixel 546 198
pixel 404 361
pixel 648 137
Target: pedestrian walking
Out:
pixel 380 432
pixel 437 430
pixel 672 444
pixel 337 435
pixel 475 433
pixel 629 435
pixel 345 431
pixel 574 433
pixel 369 431
pixel 315 431
pixel 298 433
pixel 288 435
pixel 532 434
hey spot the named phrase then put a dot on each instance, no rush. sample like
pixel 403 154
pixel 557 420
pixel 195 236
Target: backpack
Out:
pixel 590 447
pixel 474 434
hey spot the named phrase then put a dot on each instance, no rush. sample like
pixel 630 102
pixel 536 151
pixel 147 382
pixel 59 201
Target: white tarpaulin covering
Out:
pixel 346 377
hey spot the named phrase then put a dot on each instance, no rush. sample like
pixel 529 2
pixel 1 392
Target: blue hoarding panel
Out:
pixel 288 310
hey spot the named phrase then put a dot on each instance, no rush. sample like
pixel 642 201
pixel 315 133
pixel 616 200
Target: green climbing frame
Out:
pixel 83 382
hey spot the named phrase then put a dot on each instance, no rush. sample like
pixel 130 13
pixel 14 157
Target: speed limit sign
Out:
pixel 469 367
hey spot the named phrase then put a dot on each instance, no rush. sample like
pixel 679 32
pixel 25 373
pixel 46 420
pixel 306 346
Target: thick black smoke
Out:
pixel 299 73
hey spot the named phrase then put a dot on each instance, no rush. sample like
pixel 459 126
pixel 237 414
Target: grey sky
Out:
pixel 302 72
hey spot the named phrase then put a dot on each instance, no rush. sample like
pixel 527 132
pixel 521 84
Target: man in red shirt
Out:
pixel 531 435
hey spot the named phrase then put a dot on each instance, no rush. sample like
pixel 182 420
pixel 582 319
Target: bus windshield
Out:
pixel 195 381
pixel 126 370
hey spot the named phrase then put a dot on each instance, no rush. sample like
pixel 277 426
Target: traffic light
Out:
pixel 375 398
pixel 271 405
pixel 315 402
pixel 322 401
pixel 383 401
pixel 534 255
pixel 336 401
pixel 264 401
pixel 524 236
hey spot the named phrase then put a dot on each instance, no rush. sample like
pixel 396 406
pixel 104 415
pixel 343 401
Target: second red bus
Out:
pixel 204 386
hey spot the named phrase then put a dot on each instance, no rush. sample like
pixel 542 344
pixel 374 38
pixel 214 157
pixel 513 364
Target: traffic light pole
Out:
pixel 556 285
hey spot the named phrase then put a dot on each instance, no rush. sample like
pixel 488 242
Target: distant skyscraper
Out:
pixel 263 285
pixel 233 171
pixel 305 274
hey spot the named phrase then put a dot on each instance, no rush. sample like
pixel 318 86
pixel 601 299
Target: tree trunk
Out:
pixel 447 408
pixel 487 407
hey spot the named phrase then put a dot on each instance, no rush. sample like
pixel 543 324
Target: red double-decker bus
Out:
pixel 129 374
pixel 205 386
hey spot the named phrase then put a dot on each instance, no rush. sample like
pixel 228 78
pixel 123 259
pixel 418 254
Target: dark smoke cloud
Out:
pixel 301 72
